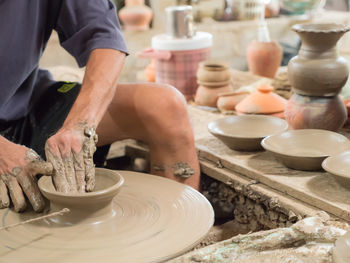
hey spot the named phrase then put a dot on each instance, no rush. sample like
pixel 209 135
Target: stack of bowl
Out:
pixel 213 78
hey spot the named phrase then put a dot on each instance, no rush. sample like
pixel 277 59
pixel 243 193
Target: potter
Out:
pixel 60 120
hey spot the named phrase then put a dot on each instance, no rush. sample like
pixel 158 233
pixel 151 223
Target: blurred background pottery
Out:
pixel 264 58
pixel 262 101
pixel 150 71
pixel 318 70
pixel 208 95
pixel 213 71
pixel 135 15
pixel 213 78
pixel 228 101
pixel 347 105
pixel 297 7
pixel 304 112
pixel 272 8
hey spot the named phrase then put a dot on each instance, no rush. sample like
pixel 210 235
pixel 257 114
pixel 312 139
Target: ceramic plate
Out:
pixel 339 166
pixel 305 149
pixel 154 219
pixel 244 133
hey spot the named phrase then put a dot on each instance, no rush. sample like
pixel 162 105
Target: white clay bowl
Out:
pixel 88 207
pixel 244 133
pixel 305 149
pixel 339 166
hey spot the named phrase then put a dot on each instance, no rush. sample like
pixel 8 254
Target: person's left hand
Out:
pixel 71 151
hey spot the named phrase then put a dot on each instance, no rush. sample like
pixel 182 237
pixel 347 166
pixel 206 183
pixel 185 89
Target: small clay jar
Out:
pixel 262 101
pixel 305 112
pixel 150 71
pixel 228 101
pixel 208 95
pixel 264 58
pixel 136 16
pixel 213 72
pixel 318 70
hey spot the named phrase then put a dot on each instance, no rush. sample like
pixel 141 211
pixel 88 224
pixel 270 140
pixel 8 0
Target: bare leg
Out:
pixel 155 114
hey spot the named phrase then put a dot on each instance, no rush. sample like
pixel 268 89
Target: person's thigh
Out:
pixel 131 114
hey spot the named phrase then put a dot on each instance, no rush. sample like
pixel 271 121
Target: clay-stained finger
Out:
pixel 16 192
pixel 40 167
pixel 79 167
pixel 89 148
pixel 70 173
pixel 4 195
pixel 58 174
pixel 29 186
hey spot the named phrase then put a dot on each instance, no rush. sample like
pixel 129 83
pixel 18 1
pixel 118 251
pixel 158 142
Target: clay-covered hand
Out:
pixel 18 168
pixel 71 151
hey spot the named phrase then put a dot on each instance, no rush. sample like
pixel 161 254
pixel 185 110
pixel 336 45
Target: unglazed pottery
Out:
pixel 208 95
pixel 153 219
pixel 150 71
pixel 305 149
pixel 318 70
pixel 306 112
pixel 347 106
pixel 264 58
pixel 339 166
pixel 84 207
pixel 213 72
pixel 263 101
pixel 228 101
pixel 244 133
pixel 136 16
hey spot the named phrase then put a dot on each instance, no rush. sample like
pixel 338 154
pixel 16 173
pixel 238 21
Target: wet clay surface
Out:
pixel 75 173
pixel 147 211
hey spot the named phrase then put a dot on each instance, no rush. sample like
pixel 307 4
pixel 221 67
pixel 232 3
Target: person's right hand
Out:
pixel 18 167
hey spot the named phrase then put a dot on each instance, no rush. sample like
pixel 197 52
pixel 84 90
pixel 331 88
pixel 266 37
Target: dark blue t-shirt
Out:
pixel 25 27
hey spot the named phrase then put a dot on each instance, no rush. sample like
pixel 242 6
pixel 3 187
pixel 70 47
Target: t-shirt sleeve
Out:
pixel 85 25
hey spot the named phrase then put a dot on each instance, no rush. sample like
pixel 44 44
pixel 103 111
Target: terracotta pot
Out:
pixel 318 70
pixel 304 112
pixel 213 71
pixel 150 71
pixel 136 16
pixel 228 101
pixel 263 101
pixel 264 58
pixel 347 105
pixel 208 96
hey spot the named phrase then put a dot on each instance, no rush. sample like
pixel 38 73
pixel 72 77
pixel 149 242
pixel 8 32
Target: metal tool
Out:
pixel 179 21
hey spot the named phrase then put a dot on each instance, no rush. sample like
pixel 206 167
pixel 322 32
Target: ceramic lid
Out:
pixel 166 42
pixel 262 101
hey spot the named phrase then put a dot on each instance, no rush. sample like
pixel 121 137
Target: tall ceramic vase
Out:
pixel 136 16
pixel 317 75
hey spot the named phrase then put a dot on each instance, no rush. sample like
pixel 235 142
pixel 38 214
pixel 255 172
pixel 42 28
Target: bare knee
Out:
pixel 166 117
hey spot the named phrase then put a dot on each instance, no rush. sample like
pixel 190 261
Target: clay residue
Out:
pixel 76 172
pixel 310 240
pixel 183 170
pixel 180 169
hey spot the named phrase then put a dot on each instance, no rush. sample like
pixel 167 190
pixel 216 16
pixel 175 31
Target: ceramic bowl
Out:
pixel 244 133
pixel 305 149
pixel 339 166
pixel 87 207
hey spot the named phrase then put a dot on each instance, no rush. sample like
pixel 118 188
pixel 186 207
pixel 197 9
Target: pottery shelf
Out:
pixel 313 190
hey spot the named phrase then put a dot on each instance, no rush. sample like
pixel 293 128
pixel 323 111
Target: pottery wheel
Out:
pixel 154 219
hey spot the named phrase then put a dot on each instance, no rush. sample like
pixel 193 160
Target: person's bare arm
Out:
pixel 71 149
